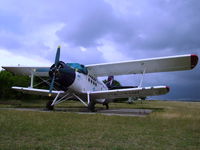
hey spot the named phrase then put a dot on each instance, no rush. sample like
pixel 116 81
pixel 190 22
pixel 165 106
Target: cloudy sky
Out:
pixel 99 31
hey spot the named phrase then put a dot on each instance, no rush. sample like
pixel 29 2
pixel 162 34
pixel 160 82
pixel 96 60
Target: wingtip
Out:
pixel 59 46
pixel 194 60
pixel 168 88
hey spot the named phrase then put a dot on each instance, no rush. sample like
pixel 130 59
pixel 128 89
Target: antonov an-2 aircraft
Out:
pixel 81 82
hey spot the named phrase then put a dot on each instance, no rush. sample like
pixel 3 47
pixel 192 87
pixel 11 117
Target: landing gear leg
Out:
pixel 49 106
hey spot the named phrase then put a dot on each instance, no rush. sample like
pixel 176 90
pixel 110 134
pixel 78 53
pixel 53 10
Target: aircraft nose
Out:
pixel 55 70
pixel 64 75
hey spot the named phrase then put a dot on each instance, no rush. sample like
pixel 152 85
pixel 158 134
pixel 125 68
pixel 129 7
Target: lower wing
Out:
pixel 131 92
pixel 35 91
pixel 108 94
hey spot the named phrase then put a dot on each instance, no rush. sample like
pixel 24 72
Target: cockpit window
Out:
pixel 79 67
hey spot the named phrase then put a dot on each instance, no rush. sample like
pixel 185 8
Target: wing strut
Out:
pixel 62 99
pixel 50 104
pixel 91 103
pixel 32 78
pixel 55 99
pixel 141 81
pixel 80 100
pixel 88 97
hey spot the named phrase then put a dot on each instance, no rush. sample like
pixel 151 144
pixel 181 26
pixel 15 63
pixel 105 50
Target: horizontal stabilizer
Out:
pixel 131 92
pixel 41 92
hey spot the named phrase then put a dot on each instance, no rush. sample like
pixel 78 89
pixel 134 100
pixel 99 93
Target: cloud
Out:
pixel 12 59
pixel 160 24
pixel 95 20
pixel 110 51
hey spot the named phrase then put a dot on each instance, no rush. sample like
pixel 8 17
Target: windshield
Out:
pixel 78 67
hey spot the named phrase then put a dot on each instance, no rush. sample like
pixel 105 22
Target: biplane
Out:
pixel 77 81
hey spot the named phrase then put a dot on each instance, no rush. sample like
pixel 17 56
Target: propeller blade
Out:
pixel 57 56
pixel 51 85
pixel 57 59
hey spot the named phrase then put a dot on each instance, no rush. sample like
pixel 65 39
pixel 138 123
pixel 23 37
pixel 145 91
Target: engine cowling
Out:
pixel 64 75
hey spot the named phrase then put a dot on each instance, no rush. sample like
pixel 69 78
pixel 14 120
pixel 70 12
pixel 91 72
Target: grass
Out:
pixel 173 125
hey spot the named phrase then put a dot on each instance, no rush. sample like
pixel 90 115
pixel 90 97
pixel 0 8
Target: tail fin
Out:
pixel 110 81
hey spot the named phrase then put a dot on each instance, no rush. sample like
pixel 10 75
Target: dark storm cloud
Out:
pixel 150 26
pixel 161 25
pixel 175 26
pixel 95 20
pixel 146 25
pixel 83 57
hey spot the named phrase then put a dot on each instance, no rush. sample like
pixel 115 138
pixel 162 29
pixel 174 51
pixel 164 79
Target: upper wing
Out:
pixel 132 92
pixel 38 71
pixel 161 64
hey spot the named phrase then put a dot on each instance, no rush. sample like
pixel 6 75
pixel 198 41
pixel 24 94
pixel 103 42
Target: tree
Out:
pixel 7 80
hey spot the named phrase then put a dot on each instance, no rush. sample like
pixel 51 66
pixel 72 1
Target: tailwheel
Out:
pixel 91 106
pixel 49 106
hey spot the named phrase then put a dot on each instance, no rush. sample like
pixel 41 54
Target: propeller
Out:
pixel 55 69
pixel 57 56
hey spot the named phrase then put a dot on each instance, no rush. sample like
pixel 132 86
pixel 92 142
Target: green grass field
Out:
pixel 172 125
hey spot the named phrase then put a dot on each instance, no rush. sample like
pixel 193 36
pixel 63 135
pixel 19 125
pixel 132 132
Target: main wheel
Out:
pixel 107 106
pixel 49 106
pixel 91 106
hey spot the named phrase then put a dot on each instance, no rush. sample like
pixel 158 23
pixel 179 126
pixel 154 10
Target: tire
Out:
pixel 91 106
pixel 48 105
